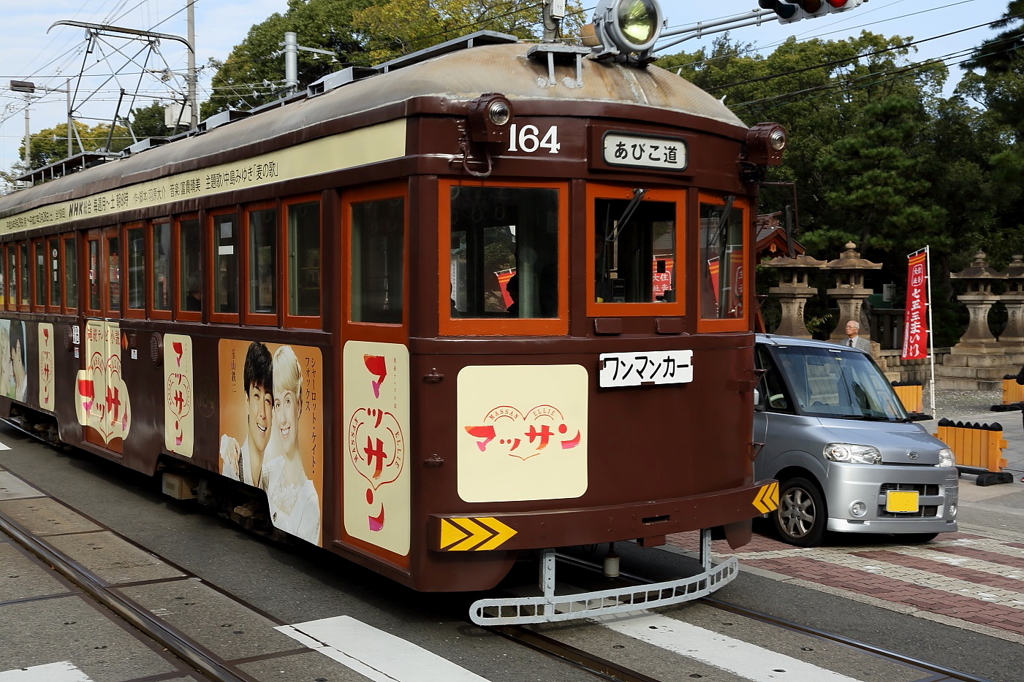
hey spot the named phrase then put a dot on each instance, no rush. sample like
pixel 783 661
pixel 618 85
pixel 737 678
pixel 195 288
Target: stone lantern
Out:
pixel 793 291
pixel 979 300
pixel 1012 337
pixel 850 291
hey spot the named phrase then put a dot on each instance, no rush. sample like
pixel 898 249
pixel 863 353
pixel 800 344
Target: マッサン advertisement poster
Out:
pixel 271 425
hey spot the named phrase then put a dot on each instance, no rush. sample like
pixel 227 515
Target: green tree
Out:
pixel 399 27
pixel 253 72
pixel 50 145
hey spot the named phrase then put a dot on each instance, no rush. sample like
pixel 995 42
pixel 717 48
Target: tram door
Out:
pixel 376 509
pixel 102 400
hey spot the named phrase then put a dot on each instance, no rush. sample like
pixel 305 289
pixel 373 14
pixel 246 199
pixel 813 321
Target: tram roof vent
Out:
pixel 222 118
pixel 467 41
pixel 143 145
pixel 337 79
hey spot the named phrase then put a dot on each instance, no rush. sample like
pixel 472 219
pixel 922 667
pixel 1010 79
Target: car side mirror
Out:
pixel 758 401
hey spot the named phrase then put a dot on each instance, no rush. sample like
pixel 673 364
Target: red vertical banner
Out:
pixel 915 325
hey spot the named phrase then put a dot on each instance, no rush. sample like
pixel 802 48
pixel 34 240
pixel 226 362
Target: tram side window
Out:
pixel 113 274
pixel 136 268
pixel 378 239
pixel 70 273
pixel 24 274
pixel 54 274
pixel 190 278
pixel 721 261
pixel 504 252
pixel 94 274
pixel 12 275
pixel 636 248
pixel 39 256
pixel 262 260
pixel 304 259
pixel 162 266
pixel 225 249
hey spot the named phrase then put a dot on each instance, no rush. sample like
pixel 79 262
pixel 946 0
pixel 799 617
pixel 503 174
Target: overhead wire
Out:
pixel 855 58
pixel 875 78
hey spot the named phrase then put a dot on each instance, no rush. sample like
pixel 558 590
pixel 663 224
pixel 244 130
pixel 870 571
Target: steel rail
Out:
pixel 600 667
pixel 947 673
pixel 178 644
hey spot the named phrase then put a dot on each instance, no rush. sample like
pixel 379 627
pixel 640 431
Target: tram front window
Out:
pixel 504 252
pixel 721 260
pixel 635 242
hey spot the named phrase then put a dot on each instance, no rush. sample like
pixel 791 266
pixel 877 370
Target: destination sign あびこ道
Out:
pixel 659 153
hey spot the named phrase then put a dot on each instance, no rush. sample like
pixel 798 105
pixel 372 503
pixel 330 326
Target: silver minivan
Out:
pixel 845 453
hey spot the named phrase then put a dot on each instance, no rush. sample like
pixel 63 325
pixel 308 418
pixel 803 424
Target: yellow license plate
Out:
pixel 901 501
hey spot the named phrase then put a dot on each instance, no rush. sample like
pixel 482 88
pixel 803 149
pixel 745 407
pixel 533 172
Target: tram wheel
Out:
pixel 801 517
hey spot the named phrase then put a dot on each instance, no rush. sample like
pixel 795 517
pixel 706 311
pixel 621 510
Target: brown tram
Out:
pixel 490 301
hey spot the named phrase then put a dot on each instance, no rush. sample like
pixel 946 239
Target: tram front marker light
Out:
pixel 489 116
pixel 765 144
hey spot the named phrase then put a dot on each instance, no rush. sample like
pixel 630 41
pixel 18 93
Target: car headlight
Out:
pixel 946 458
pixel 852 454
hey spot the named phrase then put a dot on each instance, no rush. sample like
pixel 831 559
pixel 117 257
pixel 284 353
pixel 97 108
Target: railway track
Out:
pixel 609 670
pixel 211 666
pixel 178 644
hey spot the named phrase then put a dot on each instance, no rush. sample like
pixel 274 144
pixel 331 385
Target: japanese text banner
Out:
pixel 915 330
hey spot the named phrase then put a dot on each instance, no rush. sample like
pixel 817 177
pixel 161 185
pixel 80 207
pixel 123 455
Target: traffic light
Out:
pixel 789 11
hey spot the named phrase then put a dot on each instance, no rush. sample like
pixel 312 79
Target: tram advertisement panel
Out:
pixel 271 421
pixel 13 360
pixel 179 419
pixel 46 368
pixel 101 401
pixel 377 506
pixel 522 432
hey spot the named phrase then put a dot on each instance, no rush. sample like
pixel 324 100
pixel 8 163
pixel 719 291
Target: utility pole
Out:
pixel 291 60
pixel 192 76
pixel 554 12
pixel 29 88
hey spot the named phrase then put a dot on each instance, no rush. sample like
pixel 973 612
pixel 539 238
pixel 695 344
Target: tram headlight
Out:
pixel 624 27
pixel 489 116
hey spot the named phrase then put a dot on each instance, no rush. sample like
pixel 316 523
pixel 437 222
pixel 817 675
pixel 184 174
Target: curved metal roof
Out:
pixel 455 76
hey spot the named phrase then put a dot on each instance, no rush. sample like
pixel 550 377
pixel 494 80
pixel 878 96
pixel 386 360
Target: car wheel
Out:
pixel 801 517
pixel 916 538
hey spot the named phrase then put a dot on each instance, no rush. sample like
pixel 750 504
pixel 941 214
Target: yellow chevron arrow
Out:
pixel 502 533
pixel 767 498
pixel 477 534
pixel 450 533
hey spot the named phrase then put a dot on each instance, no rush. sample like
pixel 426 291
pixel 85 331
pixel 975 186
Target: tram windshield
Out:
pixel 504 252
pixel 636 249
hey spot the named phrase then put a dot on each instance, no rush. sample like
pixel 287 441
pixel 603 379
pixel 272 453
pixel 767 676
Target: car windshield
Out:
pixel 828 382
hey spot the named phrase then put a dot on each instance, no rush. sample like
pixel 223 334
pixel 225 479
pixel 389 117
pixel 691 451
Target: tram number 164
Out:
pixel 528 139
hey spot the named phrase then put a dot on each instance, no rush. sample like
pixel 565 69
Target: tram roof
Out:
pixel 454 76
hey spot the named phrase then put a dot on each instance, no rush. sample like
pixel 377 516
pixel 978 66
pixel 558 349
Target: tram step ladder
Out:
pixel 977 448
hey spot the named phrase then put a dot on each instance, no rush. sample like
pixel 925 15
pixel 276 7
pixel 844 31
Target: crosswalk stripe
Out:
pixel 64 671
pixel 749 661
pixel 375 654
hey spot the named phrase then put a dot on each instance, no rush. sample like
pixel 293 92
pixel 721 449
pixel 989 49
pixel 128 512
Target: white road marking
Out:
pixel 725 653
pixel 376 654
pixel 4 446
pixel 64 671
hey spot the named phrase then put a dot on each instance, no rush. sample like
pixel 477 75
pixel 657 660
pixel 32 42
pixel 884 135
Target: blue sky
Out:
pixel 29 52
